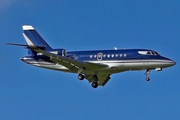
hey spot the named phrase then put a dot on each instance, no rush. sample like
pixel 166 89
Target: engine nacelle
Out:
pixel 61 52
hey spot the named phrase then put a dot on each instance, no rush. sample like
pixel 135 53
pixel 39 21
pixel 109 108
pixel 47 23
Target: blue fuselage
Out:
pixel 116 60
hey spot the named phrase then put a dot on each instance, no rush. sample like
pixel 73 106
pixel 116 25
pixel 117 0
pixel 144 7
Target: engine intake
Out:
pixel 61 52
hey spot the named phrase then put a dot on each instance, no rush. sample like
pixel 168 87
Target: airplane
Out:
pixel 96 66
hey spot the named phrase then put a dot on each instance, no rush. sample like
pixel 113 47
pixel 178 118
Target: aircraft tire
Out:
pixel 147 79
pixel 94 84
pixel 81 77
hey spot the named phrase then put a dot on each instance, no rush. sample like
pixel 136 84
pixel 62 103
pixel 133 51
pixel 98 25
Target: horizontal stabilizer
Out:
pixel 23 45
pixel 16 44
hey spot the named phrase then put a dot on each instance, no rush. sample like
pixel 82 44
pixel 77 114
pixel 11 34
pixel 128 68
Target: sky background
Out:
pixel 31 93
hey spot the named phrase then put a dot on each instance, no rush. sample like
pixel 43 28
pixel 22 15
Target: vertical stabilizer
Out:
pixel 33 38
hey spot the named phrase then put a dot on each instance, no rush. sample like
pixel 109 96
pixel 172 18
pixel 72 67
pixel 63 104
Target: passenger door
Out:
pixel 99 56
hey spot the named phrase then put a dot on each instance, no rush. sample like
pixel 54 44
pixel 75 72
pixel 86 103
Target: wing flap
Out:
pixel 102 79
pixel 68 65
pixel 97 65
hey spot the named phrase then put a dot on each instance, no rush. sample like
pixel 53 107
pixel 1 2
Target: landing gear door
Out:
pixel 99 56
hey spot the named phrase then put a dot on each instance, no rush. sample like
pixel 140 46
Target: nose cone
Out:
pixel 172 62
pixel 168 62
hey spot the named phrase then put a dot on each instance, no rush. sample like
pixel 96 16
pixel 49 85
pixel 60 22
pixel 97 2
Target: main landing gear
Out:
pixel 81 77
pixel 94 84
pixel 147 73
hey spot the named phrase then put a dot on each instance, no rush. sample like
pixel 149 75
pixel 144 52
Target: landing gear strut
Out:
pixel 147 73
pixel 81 77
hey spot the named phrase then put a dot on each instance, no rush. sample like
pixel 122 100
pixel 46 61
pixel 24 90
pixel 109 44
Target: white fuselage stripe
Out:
pixel 130 61
pixel 118 64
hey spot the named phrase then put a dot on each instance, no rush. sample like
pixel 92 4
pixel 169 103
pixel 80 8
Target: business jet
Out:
pixel 96 66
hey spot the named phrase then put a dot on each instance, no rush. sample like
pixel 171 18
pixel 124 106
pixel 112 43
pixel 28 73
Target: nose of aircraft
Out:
pixel 172 62
pixel 169 62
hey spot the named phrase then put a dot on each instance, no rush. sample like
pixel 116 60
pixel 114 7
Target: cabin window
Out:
pixel 125 55
pixel 112 55
pixel 104 55
pixel 148 53
pixel 91 56
pixel 108 55
pixel 116 55
pixel 120 55
pixel 153 53
pixel 156 53
pixel 95 56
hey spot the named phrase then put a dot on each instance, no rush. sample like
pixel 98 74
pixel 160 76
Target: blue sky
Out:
pixel 31 93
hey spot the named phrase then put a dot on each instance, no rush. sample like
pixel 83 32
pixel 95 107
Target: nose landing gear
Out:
pixel 147 73
pixel 147 79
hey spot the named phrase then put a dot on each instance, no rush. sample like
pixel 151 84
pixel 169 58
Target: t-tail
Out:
pixel 33 39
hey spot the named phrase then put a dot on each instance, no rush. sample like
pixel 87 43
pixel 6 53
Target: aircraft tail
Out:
pixel 33 39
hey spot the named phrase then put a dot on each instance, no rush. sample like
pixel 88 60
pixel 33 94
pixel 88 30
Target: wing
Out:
pixel 76 66
pixel 71 64
pixel 102 78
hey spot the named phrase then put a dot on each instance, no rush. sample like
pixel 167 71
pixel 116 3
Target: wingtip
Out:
pixel 27 27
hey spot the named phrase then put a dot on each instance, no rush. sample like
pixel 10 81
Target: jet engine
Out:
pixel 61 52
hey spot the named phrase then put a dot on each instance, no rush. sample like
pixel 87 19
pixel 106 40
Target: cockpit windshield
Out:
pixel 148 53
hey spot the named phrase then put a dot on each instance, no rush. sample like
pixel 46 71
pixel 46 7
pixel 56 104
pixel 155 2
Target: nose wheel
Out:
pixel 147 73
pixel 147 79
